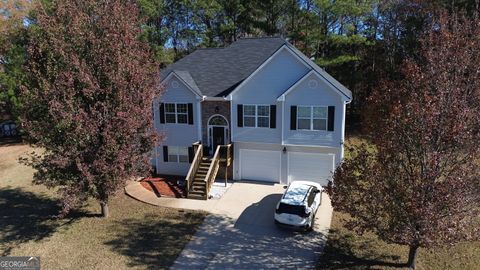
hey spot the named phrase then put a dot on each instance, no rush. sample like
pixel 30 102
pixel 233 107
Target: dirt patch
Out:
pixel 166 186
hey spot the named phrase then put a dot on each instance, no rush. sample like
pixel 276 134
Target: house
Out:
pixel 282 116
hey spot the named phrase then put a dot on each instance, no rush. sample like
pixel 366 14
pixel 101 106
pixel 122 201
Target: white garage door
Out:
pixel 260 165
pixel 310 167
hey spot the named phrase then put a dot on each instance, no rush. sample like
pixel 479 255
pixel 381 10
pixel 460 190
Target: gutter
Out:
pixel 205 98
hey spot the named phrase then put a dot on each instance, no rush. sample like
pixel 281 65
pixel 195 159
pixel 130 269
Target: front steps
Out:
pixel 199 185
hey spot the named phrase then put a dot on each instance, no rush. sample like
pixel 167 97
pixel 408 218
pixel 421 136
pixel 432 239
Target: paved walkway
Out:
pixel 240 233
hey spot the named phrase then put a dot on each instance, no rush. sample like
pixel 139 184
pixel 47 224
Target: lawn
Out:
pixel 347 250
pixel 136 235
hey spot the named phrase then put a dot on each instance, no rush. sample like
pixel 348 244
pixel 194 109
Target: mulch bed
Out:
pixel 165 186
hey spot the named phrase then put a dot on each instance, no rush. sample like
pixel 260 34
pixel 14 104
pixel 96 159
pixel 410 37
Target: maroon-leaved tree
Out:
pixel 88 104
pixel 416 182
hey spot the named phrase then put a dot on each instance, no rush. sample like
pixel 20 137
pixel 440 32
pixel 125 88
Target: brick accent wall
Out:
pixel 210 108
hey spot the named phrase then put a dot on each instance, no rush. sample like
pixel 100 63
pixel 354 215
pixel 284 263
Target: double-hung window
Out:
pixel 256 116
pixel 176 113
pixel 178 154
pixel 312 117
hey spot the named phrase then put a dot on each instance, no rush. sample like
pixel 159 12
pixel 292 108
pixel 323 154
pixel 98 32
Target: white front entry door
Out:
pixel 260 165
pixel 310 167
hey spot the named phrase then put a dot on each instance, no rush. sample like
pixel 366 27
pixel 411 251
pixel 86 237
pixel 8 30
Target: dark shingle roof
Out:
pixel 217 71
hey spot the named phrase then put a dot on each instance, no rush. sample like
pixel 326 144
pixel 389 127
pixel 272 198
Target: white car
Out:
pixel 298 205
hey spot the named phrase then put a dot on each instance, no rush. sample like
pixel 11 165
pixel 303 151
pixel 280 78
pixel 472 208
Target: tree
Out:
pixel 418 184
pixel 89 101
pixel 13 40
pixel 12 14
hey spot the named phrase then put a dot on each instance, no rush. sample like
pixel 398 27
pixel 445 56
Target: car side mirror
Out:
pixel 285 187
pixel 318 191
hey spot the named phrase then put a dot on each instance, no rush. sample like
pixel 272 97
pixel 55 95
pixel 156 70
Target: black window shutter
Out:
pixel 331 117
pixel 190 113
pixel 293 117
pixel 240 115
pixel 190 154
pixel 273 116
pixel 162 113
pixel 165 153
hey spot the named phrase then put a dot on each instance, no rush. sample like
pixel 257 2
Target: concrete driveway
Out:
pixel 240 234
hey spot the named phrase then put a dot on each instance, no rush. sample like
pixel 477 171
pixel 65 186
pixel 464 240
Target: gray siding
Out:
pixel 176 134
pixel 264 88
pixel 315 92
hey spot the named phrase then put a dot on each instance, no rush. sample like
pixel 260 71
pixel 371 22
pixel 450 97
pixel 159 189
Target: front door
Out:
pixel 218 137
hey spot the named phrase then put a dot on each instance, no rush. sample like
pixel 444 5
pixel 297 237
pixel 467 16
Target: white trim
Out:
pixel 313 65
pixel 308 74
pixel 207 98
pixel 311 146
pixel 270 143
pixel 199 121
pixel 283 121
pixel 256 150
pixel 342 136
pixel 172 73
pixel 234 125
pixel 156 159
pixel 283 47
pixel 226 131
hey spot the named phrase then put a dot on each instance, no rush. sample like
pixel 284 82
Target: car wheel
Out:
pixel 312 224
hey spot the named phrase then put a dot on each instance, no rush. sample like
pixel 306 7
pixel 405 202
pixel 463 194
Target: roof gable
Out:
pixel 186 79
pixel 314 68
pixel 306 76
pixel 332 81
pixel 218 71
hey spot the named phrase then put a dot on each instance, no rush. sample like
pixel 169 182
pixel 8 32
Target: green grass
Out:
pixel 136 235
pixel 347 250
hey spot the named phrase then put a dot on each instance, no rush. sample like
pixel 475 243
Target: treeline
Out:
pixel 360 42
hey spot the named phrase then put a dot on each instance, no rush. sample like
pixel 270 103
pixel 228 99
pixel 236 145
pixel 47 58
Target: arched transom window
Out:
pixel 218 121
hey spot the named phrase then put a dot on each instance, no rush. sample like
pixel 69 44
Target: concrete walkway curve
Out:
pixel 240 232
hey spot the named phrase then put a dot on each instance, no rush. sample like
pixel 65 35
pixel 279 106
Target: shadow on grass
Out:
pixel 154 242
pixel 340 253
pixel 27 216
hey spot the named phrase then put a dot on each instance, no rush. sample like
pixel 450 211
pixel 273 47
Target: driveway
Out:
pixel 240 234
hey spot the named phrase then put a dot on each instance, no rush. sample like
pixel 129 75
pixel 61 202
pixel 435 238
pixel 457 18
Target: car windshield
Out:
pixel 298 210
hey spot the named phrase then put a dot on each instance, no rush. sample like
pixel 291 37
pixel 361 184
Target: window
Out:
pixel 312 117
pixel 249 113
pixel 176 113
pixel 256 116
pixel 178 154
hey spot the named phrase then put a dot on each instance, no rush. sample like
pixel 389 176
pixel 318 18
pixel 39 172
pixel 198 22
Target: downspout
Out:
pixel 199 120
pixel 342 141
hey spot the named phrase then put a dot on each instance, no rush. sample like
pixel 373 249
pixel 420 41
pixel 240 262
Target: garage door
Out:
pixel 260 165
pixel 310 167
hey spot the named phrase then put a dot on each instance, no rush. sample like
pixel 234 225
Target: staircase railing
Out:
pixel 226 152
pixel 194 167
pixel 213 170
pixel 226 155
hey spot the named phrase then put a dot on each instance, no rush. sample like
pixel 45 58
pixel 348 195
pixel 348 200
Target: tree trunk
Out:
pixel 412 255
pixel 105 211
